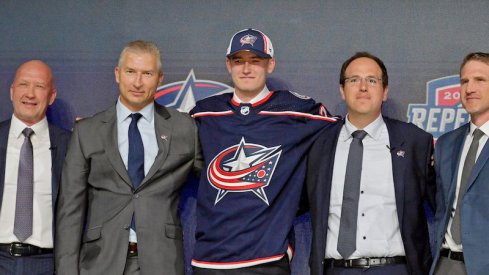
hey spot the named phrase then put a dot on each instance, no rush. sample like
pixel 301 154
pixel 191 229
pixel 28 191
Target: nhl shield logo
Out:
pixel 442 111
pixel 245 110
pixel 244 167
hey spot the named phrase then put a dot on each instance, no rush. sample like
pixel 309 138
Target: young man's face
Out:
pixel 474 89
pixel 138 77
pixel 365 96
pixel 249 72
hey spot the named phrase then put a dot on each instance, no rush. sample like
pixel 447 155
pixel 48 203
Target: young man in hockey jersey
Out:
pixel 254 143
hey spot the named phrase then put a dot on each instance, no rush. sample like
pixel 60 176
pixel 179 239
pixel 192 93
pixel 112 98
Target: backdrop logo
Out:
pixel 244 167
pixel 182 95
pixel 443 111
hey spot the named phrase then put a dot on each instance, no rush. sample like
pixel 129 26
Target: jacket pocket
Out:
pixel 174 231
pixel 92 234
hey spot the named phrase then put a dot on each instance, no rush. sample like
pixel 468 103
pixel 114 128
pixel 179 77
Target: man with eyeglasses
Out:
pixel 367 180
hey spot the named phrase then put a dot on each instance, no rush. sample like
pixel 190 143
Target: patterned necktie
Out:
pixel 347 237
pixel 23 203
pixel 467 170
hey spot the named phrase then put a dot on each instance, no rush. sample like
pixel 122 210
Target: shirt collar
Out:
pixel 17 126
pixel 484 128
pixel 123 112
pixel 264 93
pixel 374 129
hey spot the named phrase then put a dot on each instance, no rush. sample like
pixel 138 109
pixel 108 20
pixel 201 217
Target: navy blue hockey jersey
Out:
pixel 255 167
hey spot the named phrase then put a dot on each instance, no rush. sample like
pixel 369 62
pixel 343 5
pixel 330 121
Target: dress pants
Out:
pixel 132 266
pixel 26 265
pixel 446 266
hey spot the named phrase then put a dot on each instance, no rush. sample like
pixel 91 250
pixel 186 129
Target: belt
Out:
pixel 457 256
pixel 365 262
pixel 132 249
pixel 23 249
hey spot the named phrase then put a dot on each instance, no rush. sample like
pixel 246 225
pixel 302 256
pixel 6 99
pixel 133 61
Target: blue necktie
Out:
pixel 347 237
pixel 135 160
pixel 23 204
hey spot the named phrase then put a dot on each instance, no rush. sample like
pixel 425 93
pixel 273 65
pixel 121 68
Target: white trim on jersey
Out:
pixel 291 113
pixel 224 113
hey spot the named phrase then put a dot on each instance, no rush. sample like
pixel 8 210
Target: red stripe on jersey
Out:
pixel 232 265
pixel 224 113
pixel 298 114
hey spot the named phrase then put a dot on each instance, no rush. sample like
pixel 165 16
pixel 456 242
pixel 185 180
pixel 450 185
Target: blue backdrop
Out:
pixel 420 41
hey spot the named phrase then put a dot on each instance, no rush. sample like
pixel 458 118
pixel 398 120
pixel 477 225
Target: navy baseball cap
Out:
pixel 250 40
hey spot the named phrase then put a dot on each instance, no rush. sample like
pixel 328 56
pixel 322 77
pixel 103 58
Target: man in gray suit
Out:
pixel 118 202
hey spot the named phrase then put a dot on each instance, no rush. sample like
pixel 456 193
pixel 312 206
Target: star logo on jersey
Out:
pixel 245 167
pixel 182 95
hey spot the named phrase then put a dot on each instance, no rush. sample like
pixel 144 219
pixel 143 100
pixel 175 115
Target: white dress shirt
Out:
pixel 378 233
pixel 449 242
pixel 42 220
pixel 146 128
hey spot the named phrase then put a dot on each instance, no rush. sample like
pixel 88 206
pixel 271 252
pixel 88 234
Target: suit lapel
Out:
pixel 398 158
pixel 4 130
pixel 55 162
pixel 479 164
pixel 458 145
pixel 109 136
pixel 163 132
pixel 326 172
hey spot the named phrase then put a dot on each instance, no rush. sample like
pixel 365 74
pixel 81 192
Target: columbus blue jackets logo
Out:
pixel 244 167
pixel 443 111
pixel 247 39
pixel 182 95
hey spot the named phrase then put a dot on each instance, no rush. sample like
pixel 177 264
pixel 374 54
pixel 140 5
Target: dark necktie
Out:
pixel 135 160
pixel 467 170
pixel 347 237
pixel 23 204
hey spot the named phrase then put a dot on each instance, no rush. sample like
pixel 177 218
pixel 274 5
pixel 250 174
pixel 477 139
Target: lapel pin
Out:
pixel 401 153
pixel 164 137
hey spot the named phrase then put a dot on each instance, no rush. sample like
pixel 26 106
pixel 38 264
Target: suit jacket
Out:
pixel 474 204
pixel 59 139
pixel 414 181
pixel 97 200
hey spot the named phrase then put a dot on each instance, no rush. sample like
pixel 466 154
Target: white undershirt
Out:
pixel 264 93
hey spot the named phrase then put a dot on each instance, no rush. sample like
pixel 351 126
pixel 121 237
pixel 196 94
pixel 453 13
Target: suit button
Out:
pixel 136 196
pixel 127 226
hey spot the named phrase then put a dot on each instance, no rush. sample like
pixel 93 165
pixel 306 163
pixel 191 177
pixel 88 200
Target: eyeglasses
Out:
pixel 356 80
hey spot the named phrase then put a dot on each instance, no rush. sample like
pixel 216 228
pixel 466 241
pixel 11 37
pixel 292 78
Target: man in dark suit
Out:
pixel 31 155
pixel 118 202
pixel 367 180
pixel 462 166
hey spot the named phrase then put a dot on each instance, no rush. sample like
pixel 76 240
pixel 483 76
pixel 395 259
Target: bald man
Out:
pixel 31 156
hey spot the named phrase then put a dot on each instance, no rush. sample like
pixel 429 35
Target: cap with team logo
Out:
pixel 250 40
